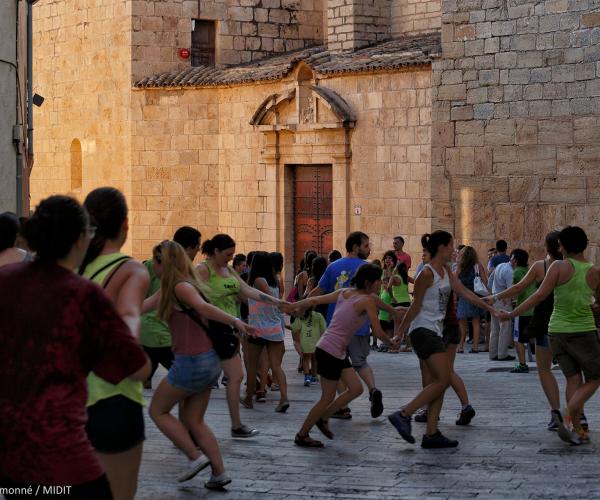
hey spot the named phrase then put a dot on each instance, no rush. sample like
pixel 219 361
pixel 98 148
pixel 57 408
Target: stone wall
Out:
pixel 415 16
pixel 248 30
pixel 82 66
pixel 516 141
pixel 198 161
pixel 352 24
pixel 175 161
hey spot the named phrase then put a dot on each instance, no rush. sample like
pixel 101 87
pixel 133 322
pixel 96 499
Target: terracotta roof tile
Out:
pixel 393 54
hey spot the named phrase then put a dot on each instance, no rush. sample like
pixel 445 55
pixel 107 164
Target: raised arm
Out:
pixel 249 292
pixel 532 276
pixel 313 301
pixel 545 289
pixel 189 296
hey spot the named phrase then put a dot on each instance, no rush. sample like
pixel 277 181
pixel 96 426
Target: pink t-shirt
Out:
pixel 344 324
pixel 404 257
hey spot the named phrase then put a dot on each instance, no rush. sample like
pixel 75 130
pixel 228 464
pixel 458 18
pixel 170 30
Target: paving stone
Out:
pixel 505 453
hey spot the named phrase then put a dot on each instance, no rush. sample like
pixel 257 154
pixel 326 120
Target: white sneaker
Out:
pixel 194 467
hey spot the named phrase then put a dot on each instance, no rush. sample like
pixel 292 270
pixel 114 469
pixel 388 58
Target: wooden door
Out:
pixel 313 204
pixel 203 43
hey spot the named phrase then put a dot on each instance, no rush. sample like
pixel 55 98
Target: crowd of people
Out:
pixel 84 328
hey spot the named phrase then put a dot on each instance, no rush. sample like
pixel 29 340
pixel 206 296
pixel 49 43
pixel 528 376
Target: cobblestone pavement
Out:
pixel 505 453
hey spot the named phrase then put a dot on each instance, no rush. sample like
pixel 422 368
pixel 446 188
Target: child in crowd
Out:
pixel 309 329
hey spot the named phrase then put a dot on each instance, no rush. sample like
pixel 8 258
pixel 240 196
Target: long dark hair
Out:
pixel 402 271
pixel 366 272
pixel 317 270
pixel 553 246
pixel 277 261
pixel 262 267
pixel 55 226
pixel 433 241
pixel 468 259
pixel 108 210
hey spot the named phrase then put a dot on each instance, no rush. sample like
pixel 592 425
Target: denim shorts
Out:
pixel 195 373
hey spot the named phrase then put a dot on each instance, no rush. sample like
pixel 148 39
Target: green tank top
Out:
pixel 387 298
pixel 99 389
pixel 223 292
pixel 518 274
pixel 572 300
pixel 155 332
pixel 400 292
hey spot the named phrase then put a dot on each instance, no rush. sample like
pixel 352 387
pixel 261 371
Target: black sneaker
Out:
pixel 466 415
pixel 402 425
pixel 438 440
pixel 555 421
pixel 376 399
pixel 421 416
pixel 243 432
pixel 224 381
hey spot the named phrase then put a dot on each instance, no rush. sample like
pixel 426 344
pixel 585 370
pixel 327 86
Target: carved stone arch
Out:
pixel 306 113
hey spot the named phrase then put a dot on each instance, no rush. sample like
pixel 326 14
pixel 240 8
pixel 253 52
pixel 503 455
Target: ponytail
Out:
pixel 108 210
pixel 217 242
pixel 432 242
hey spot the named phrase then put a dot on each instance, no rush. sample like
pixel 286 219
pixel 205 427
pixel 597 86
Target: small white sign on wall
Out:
pixel 357 210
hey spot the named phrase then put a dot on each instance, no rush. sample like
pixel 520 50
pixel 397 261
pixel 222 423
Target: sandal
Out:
pixel 323 426
pixel 282 407
pixel 460 350
pixel 474 351
pixel 307 442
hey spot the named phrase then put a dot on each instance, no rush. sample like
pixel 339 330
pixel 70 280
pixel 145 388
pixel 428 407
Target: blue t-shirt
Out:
pixel 499 259
pixel 338 275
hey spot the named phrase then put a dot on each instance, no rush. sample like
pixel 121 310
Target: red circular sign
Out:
pixel 184 53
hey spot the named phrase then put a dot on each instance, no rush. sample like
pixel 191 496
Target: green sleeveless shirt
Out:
pixel 99 389
pixel 223 292
pixel 572 300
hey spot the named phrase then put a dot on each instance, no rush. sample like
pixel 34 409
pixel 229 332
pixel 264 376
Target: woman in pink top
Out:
pixel 353 307
pixel 196 366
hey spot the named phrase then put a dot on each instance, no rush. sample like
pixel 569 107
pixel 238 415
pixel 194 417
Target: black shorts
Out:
pixel 451 335
pixel 525 335
pixel 329 366
pixel 159 355
pixel 257 341
pixel 115 424
pixel 98 489
pixel 426 342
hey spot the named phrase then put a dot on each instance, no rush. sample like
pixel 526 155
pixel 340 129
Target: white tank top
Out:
pixel 435 302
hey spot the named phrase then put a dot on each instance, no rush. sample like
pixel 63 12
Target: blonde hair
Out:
pixel 176 267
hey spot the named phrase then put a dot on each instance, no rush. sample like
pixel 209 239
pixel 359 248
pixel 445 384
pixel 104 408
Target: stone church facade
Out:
pixel 308 119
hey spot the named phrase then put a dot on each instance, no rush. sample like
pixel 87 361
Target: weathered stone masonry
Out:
pixel 516 114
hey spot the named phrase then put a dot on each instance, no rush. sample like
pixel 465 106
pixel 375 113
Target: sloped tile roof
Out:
pixel 394 54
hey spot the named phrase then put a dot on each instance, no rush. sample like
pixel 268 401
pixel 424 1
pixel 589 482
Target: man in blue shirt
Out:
pixel 338 275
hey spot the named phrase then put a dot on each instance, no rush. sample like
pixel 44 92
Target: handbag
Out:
pixel 478 287
pixel 223 337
